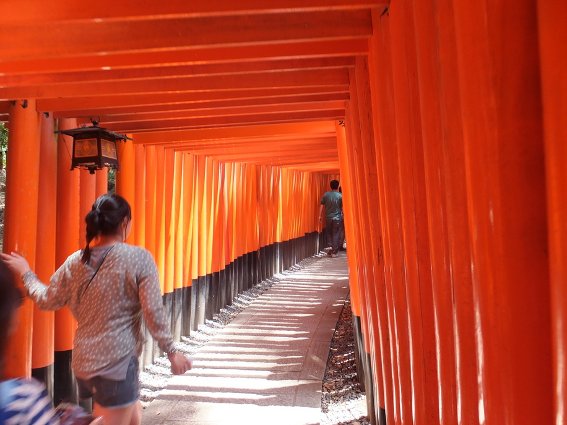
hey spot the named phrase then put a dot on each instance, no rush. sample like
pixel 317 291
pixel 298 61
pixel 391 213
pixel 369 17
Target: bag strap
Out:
pixel 96 271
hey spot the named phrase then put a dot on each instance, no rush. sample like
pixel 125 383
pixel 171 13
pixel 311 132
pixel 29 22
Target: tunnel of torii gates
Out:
pixel 443 119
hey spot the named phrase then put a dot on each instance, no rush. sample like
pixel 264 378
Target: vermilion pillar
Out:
pixel 457 219
pixel 178 225
pixel 188 183
pixel 159 230
pixel 150 200
pixel 20 218
pixel 43 325
pixel 195 203
pixel 380 69
pixel 553 50
pixel 377 292
pixel 68 217
pixel 87 196
pixel 139 213
pixel 168 221
pixel 430 95
pixel 101 182
pixel 126 177
pixel 365 270
pixel 498 67
pixel 352 233
pixel 207 216
pixel 425 409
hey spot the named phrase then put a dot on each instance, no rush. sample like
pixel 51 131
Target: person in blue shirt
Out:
pixel 22 401
pixel 331 211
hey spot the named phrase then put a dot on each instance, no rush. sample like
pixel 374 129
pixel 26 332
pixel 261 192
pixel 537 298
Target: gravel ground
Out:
pixel 342 401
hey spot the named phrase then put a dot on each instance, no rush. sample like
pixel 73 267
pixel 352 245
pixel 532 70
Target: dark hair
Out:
pixel 10 300
pixel 105 217
pixel 334 184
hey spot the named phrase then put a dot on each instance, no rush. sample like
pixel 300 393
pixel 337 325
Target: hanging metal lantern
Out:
pixel 94 147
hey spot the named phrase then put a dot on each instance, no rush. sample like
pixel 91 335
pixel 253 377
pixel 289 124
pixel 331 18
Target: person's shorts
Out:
pixel 109 393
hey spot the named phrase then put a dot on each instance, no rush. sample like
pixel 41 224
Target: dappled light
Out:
pixel 265 366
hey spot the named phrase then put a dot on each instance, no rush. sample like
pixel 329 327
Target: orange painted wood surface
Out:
pixel 451 159
pixel 505 174
pixel 67 225
pixel 178 33
pixel 44 321
pixel 20 220
pixel 126 177
pixel 27 10
pixel 551 19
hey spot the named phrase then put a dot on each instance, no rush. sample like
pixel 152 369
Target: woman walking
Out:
pixel 109 285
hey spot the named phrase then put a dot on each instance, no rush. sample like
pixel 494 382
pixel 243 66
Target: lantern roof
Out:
pixel 95 131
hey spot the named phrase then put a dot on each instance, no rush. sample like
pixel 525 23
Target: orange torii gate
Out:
pixel 444 120
pixel 215 228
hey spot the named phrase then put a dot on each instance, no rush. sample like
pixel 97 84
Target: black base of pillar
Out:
pixel 246 272
pixel 64 384
pixel 358 350
pixel 167 300
pixel 222 289
pixel 45 376
pixel 369 389
pixel 262 264
pixel 256 268
pixel 382 417
pixel 177 314
pixel 186 322
pixel 194 302
pixel 240 268
pixel 215 295
pixel 277 257
pixel 201 300
pixel 210 295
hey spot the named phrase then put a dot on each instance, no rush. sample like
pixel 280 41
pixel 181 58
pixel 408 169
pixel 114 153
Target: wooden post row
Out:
pixel 458 162
pixel 371 268
pixel 194 214
pixel 553 32
pixel 505 180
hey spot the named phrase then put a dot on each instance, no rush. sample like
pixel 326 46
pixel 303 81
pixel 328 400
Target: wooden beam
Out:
pixel 195 98
pixel 279 79
pixel 248 144
pixel 259 144
pixel 61 10
pixel 289 157
pixel 71 39
pixel 328 167
pixel 261 130
pixel 235 111
pixel 193 55
pixel 199 106
pixel 271 159
pixel 187 123
pixel 153 99
pixel 170 71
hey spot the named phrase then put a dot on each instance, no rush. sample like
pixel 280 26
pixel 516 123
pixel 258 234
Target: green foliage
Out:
pixel 3 144
pixel 3 137
pixel 111 180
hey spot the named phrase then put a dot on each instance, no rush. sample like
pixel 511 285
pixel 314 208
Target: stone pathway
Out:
pixel 267 365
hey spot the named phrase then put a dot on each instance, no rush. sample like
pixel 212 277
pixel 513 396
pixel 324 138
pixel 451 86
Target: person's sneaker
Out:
pixel 329 253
